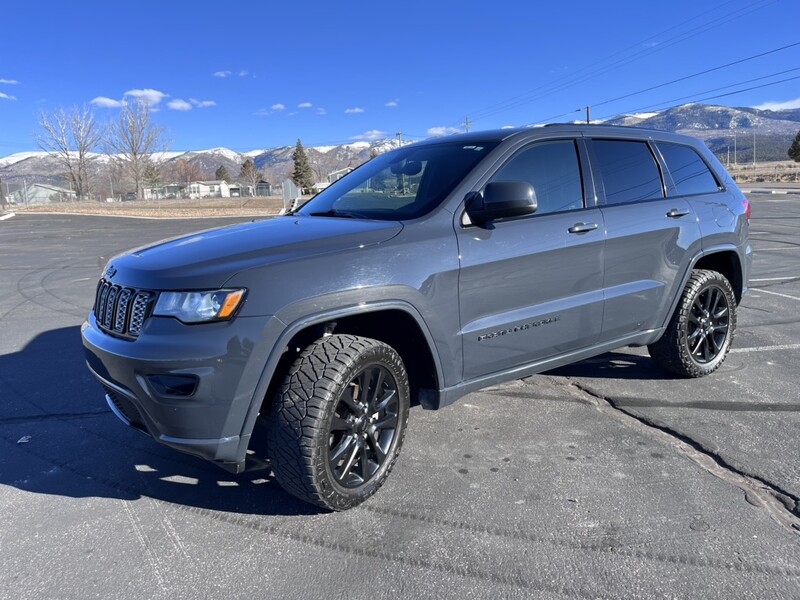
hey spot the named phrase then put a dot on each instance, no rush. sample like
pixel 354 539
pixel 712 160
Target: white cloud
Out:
pixel 440 131
pixel 202 103
pixel 278 107
pixel 105 102
pixel 178 104
pixel 149 96
pixel 370 136
pixel 9 81
pixel 305 105
pixel 354 111
pixel 393 103
pixel 222 74
pixel 787 105
pixel 6 96
pixel 321 112
pixel 262 112
pixel 244 73
pixel 508 127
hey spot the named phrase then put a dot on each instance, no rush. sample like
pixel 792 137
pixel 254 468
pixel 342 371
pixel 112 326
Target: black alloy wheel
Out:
pixel 700 332
pixel 708 324
pixel 363 426
pixel 336 425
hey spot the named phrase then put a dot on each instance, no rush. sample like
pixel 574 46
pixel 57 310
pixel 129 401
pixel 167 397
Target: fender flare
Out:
pixel 299 325
pixel 716 249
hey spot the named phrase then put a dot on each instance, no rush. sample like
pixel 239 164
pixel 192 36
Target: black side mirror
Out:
pixel 501 200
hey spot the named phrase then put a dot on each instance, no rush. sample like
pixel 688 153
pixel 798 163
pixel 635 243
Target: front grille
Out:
pixel 121 310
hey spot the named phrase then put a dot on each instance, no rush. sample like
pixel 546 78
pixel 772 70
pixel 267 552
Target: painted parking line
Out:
pixel 775 278
pixel 777 294
pixel 8 216
pixel 783 248
pixel 766 348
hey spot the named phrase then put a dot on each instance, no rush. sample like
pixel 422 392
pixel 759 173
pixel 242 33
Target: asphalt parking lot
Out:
pixel 607 478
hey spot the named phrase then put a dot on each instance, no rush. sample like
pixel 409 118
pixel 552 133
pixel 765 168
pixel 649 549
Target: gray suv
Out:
pixel 430 271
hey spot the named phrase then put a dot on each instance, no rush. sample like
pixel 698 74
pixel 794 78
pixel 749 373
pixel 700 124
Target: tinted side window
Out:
pixel 629 171
pixel 689 172
pixel 552 169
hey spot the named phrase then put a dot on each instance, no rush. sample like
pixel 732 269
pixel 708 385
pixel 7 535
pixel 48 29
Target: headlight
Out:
pixel 199 307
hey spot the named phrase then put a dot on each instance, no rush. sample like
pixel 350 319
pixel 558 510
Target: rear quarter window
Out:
pixel 690 173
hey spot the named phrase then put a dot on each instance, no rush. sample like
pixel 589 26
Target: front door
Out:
pixel 531 287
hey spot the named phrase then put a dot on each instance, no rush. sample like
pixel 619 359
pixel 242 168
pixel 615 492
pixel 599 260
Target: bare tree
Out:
pixel 71 135
pixel 132 138
pixel 186 172
pixel 251 174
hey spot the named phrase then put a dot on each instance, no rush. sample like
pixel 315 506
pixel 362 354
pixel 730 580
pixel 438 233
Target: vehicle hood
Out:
pixel 207 259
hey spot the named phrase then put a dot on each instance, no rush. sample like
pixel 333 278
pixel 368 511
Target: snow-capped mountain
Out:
pixel 274 163
pixel 718 125
pixel 771 131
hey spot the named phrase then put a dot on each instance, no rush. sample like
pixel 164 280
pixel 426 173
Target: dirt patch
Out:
pixel 212 207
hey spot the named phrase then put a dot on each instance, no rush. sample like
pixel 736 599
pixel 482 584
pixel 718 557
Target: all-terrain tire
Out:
pixel 700 332
pixel 334 400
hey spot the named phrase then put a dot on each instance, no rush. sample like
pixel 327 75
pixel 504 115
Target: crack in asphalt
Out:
pixel 782 506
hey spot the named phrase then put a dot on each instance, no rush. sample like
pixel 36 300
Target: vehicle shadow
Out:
pixel 615 365
pixel 62 439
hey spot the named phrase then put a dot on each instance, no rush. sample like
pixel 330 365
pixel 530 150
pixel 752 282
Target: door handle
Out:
pixel 677 213
pixel 582 227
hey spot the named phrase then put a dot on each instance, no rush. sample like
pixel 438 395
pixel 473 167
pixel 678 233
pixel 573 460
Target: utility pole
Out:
pixel 588 115
pixel 399 135
pixel 735 163
pixel 754 150
pixel 466 124
pixel 25 189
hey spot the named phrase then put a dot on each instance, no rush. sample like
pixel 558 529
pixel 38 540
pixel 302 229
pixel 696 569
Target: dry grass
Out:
pixel 210 207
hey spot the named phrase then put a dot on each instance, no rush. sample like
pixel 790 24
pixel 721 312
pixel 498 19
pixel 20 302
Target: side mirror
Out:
pixel 501 200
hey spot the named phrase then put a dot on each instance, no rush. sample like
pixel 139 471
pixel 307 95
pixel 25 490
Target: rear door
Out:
pixel 647 235
pixel 531 287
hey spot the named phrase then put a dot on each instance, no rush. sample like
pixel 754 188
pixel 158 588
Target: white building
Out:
pixel 41 193
pixel 209 189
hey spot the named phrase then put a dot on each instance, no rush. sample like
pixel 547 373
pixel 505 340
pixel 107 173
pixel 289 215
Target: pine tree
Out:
pixel 794 149
pixel 222 174
pixel 302 175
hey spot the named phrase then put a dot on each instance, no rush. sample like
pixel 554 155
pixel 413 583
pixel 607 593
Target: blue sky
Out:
pixel 249 74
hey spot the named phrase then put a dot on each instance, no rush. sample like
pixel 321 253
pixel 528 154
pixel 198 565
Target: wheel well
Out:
pixel 728 264
pixel 394 327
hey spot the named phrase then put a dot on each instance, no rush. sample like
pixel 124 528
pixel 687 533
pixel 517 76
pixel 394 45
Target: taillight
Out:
pixel 747 210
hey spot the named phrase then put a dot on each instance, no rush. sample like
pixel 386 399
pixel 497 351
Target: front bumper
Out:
pixel 224 361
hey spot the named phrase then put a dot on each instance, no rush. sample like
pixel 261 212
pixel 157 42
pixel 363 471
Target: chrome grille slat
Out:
pixel 120 310
pixel 110 303
pixel 139 312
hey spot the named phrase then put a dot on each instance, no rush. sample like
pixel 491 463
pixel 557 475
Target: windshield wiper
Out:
pixel 336 213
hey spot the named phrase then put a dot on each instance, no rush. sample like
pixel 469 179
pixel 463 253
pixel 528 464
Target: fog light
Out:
pixel 173 385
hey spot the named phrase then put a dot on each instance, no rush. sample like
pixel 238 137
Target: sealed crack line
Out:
pixel 782 506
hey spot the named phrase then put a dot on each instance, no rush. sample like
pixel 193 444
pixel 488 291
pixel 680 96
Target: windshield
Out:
pixel 403 184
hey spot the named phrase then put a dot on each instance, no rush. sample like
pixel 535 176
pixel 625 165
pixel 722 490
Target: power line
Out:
pixel 724 87
pixel 725 66
pixel 755 87
pixel 554 86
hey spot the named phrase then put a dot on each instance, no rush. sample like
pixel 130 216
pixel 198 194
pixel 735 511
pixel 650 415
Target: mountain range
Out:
pixel 724 129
